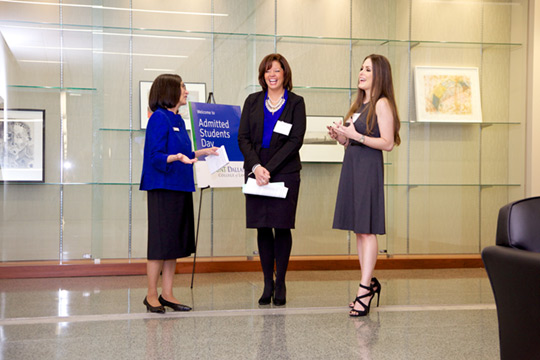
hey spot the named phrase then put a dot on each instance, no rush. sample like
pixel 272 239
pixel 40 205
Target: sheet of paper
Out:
pixel 276 189
pixel 216 162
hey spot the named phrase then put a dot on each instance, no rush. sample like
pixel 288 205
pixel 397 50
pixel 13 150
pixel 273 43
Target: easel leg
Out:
pixel 197 237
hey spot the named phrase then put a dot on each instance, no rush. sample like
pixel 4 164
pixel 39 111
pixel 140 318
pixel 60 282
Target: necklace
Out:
pixel 273 108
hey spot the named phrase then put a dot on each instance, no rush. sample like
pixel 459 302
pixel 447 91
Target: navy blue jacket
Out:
pixel 166 135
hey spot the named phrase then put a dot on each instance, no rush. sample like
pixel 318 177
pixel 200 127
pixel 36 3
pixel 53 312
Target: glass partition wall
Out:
pixel 83 61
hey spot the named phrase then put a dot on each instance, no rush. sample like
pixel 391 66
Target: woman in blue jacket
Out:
pixel 167 175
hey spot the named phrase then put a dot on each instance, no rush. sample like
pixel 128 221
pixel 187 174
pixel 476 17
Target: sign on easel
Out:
pixel 217 125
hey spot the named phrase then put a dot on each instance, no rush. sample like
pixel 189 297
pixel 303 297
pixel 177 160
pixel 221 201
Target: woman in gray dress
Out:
pixel 360 200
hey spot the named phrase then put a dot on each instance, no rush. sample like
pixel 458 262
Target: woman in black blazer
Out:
pixel 270 135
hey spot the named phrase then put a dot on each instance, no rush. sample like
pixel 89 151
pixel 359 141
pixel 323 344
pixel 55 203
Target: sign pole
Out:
pixel 209 100
pixel 197 236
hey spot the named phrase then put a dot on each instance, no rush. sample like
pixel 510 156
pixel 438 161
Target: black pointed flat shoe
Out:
pixel 174 306
pixel 155 309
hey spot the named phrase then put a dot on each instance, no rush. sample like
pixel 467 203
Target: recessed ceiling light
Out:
pixel 113 8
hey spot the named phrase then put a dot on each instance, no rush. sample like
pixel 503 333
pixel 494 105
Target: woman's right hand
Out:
pixel 342 140
pixel 262 176
pixel 180 157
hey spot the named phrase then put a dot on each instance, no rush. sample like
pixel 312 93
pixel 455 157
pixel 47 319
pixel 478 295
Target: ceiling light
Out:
pixel 41 61
pixel 113 8
pixel 161 70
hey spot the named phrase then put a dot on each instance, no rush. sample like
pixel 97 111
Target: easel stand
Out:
pixel 197 236
pixel 209 100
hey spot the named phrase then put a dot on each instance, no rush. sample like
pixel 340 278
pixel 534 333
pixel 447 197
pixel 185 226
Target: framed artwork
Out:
pixel 318 145
pixel 22 145
pixel 447 94
pixel 197 93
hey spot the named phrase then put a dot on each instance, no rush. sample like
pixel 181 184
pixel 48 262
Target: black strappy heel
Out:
pixel 376 286
pixel 357 313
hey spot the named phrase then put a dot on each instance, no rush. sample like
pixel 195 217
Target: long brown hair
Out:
pixel 382 87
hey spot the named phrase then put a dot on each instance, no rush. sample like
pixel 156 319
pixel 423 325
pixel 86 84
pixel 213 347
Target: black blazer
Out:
pixel 284 150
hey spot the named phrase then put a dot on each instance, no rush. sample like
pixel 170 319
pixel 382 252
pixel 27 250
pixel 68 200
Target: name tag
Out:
pixel 283 128
pixel 355 117
pixel 175 129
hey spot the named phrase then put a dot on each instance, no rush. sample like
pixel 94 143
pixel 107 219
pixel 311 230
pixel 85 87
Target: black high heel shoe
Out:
pixel 155 309
pixel 376 286
pixel 280 294
pixel 174 306
pixel 267 294
pixel 357 313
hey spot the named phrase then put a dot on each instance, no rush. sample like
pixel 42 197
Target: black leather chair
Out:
pixel 513 267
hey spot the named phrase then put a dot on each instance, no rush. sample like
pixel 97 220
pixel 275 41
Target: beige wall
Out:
pixel 532 179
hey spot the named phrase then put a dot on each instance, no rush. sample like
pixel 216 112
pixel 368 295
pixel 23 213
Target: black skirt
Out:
pixel 171 233
pixel 265 211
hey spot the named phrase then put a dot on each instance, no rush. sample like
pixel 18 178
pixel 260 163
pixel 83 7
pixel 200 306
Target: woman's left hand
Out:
pixel 205 152
pixel 211 151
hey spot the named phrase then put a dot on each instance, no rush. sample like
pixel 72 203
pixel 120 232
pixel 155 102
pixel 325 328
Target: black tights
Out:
pixel 275 246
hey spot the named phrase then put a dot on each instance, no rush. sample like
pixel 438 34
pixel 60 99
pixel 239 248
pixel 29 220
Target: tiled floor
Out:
pixel 424 314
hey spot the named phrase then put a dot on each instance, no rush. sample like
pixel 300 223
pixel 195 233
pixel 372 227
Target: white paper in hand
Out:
pixel 276 189
pixel 216 162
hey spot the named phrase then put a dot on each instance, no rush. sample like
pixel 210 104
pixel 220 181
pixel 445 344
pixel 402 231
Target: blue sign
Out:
pixel 216 125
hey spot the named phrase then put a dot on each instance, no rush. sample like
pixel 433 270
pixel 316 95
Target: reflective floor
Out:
pixel 423 314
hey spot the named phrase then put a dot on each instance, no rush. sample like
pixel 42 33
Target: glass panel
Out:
pixel 229 222
pixel 96 56
pixel 110 221
pixel 173 15
pixel 33 56
pixel 78 139
pixel 444 220
pixel 114 158
pixel 29 222
pixel 384 19
pixel 444 154
pixel 335 23
pixel 446 20
pixel 318 191
pixel 79 201
pixel 396 220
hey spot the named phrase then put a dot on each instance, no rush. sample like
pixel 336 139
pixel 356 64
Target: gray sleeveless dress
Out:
pixel 360 198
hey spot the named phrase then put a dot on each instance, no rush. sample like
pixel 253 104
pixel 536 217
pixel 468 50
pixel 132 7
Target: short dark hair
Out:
pixel 266 64
pixel 165 92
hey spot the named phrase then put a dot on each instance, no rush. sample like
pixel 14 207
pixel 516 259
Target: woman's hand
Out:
pixel 211 151
pixel 262 176
pixel 347 132
pixel 332 131
pixel 205 152
pixel 180 157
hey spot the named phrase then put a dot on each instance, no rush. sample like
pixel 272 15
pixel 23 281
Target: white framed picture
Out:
pixel 318 145
pixel 447 94
pixel 196 93
pixel 22 145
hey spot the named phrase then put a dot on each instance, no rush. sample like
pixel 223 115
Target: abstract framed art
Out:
pixel 22 145
pixel 447 94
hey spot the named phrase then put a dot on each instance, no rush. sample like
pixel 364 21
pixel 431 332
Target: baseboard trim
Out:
pixel 120 267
